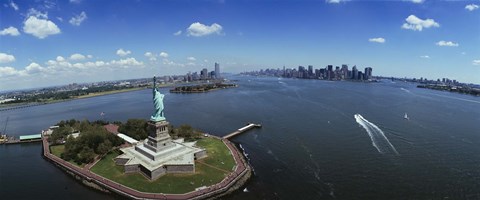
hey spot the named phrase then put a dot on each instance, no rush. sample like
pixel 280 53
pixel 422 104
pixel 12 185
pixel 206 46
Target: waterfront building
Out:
pixel 301 72
pixel 217 71
pixel 344 71
pixel 159 153
pixel 354 72
pixel 368 73
pixel 322 72
pixel 204 74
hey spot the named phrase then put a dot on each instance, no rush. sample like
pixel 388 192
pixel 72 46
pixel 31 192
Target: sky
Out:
pixel 49 42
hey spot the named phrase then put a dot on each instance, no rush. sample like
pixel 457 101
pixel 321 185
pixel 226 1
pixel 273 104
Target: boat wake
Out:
pixel 379 140
pixel 408 91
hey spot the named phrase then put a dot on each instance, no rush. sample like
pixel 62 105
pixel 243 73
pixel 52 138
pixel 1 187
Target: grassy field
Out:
pixel 218 154
pixel 174 183
pixel 57 150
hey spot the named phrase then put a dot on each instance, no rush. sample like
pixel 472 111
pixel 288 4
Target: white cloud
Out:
pixel 36 13
pixel 447 43
pixel 476 62
pixel 177 33
pixel 471 7
pixel 198 30
pixel 75 1
pixel 8 71
pixel 60 59
pixel 40 28
pixel 77 56
pixel 13 5
pixel 334 1
pixel 10 31
pixel 425 56
pixel 122 52
pixel 191 58
pixel 49 4
pixel 151 56
pixel 378 40
pixel 417 24
pixel 464 53
pixel 34 68
pixel 6 58
pixel 417 1
pixel 163 54
pixel 171 63
pixel 126 63
pixel 78 19
pixel 61 67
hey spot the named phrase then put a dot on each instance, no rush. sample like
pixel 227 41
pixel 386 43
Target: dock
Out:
pixel 22 139
pixel 242 130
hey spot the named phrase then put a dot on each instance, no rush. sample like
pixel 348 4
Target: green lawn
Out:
pixel 173 183
pixel 57 150
pixel 218 154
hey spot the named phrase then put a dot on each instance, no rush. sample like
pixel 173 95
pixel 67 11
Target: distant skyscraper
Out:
pixel 354 72
pixel 204 74
pixel 344 71
pixel 310 70
pixel 368 73
pixel 301 72
pixel 217 70
pixel 323 73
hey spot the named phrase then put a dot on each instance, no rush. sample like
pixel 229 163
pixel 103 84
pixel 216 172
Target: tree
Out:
pixel 71 149
pixel 135 128
pixel 86 155
pixel 187 132
pixel 84 125
pixel 104 147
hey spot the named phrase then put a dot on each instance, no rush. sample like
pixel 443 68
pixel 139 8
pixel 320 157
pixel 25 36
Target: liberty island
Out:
pixel 147 169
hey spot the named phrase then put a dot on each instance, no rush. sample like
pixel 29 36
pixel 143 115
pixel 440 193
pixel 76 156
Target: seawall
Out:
pixel 232 182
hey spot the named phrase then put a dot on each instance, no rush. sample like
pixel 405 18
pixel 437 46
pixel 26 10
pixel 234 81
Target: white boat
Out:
pixel 406 117
pixel 245 190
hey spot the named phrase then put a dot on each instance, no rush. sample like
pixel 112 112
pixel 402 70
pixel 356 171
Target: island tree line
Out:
pixel 94 140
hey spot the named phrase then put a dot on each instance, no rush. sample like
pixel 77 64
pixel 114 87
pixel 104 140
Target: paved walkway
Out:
pixel 224 185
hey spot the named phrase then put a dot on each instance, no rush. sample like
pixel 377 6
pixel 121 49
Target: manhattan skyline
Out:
pixel 45 43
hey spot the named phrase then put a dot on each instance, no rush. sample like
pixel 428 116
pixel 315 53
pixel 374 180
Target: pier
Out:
pixel 22 139
pixel 242 130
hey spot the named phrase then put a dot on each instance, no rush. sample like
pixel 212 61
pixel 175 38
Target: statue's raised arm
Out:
pixel 158 115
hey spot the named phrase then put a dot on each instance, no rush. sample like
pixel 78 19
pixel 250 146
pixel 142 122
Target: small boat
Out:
pixel 245 190
pixel 406 117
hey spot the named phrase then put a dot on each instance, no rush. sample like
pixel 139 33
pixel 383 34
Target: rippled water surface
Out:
pixel 311 145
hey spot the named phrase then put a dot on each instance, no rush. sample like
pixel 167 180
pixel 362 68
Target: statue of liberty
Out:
pixel 157 103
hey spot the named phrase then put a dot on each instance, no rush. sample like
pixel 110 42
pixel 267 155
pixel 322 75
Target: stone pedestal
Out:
pixel 158 137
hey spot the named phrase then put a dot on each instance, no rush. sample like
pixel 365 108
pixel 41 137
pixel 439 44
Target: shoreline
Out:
pixel 31 104
pixel 228 185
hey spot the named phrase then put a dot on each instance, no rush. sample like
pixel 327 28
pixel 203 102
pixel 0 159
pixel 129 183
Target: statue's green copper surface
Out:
pixel 158 115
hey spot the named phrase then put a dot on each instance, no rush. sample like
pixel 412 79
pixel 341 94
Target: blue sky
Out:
pixel 46 42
